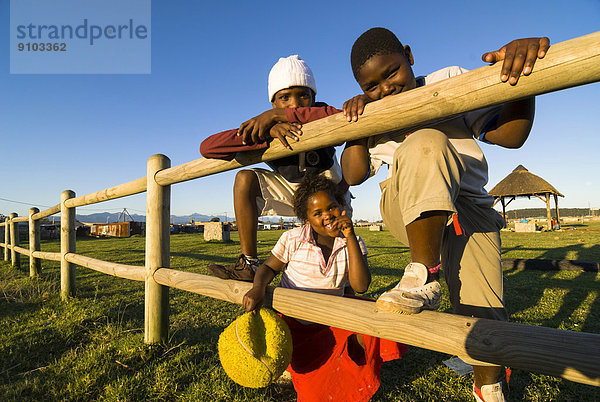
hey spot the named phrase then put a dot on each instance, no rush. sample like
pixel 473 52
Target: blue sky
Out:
pixel 209 73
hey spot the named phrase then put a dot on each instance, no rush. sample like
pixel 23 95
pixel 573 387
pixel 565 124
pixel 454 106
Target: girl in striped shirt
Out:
pixel 324 256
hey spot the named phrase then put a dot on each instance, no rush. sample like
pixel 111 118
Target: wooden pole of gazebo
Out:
pixel 557 213
pixel 548 214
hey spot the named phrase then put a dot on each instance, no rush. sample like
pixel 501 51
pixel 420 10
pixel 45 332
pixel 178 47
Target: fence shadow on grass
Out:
pixel 591 253
pixel 61 334
pixel 11 309
pixel 20 295
pixel 527 289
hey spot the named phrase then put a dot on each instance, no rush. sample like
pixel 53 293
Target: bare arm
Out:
pixel 514 124
pixel 255 297
pixel 359 274
pixel 355 162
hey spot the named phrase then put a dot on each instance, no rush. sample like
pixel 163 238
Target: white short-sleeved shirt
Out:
pixel 461 130
pixel 306 268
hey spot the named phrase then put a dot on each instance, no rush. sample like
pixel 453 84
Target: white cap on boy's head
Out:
pixel 288 72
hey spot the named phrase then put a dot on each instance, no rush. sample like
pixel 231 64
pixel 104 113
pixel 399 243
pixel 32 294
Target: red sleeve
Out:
pixel 225 145
pixel 305 115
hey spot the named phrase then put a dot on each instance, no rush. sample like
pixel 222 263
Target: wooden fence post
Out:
pixel 67 245
pixel 158 207
pixel 15 258
pixel 6 237
pixel 35 264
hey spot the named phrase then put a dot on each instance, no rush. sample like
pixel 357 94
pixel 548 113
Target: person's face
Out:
pixel 322 210
pixel 293 97
pixel 387 74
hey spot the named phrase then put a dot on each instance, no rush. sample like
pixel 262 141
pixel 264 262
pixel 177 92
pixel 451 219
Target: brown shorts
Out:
pixel 277 194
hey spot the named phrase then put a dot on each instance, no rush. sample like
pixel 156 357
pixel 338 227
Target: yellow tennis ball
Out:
pixel 256 348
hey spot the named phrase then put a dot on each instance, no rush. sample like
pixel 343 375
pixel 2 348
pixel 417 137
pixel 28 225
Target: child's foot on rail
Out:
pixel 413 293
pixel 242 270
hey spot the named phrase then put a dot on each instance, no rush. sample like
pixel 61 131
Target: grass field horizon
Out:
pixel 92 347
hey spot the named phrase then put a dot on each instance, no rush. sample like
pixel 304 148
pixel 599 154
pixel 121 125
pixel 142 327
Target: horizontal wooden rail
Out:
pixel 567 354
pixel 45 255
pixel 46 212
pixel 133 272
pixel 231 291
pixel 567 64
pixel 122 190
pixel 22 250
pixel 21 219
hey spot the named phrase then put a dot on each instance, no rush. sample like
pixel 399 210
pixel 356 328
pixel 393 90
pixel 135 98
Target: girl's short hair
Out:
pixel 309 186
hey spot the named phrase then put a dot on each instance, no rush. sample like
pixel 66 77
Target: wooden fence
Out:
pixel 572 355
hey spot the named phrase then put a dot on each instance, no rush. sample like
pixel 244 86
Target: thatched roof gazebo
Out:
pixel 522 183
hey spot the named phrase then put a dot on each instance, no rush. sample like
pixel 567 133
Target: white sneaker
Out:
pixel 489 393
pixel 412 294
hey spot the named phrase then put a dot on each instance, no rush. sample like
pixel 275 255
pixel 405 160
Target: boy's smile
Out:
pixel 293 97
pixel 387 74
pixel 322 211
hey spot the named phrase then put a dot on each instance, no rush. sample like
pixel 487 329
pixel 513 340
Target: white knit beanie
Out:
pixel 288 72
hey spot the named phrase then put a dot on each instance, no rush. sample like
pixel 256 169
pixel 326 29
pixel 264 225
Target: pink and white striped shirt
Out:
pixel 306 268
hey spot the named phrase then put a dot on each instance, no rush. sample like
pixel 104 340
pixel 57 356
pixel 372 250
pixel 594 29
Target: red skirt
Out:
pixel 329 365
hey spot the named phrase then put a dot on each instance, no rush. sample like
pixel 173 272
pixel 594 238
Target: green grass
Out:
pixel 92 347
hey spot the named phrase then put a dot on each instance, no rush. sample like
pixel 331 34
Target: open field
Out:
pixel 92 347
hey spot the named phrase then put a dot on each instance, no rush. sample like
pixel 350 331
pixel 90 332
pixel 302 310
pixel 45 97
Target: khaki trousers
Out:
pixel 426 176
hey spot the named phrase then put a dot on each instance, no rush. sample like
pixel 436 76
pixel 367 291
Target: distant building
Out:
pixel 118 229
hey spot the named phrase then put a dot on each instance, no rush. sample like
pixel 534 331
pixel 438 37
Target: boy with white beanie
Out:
pixel 258 192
